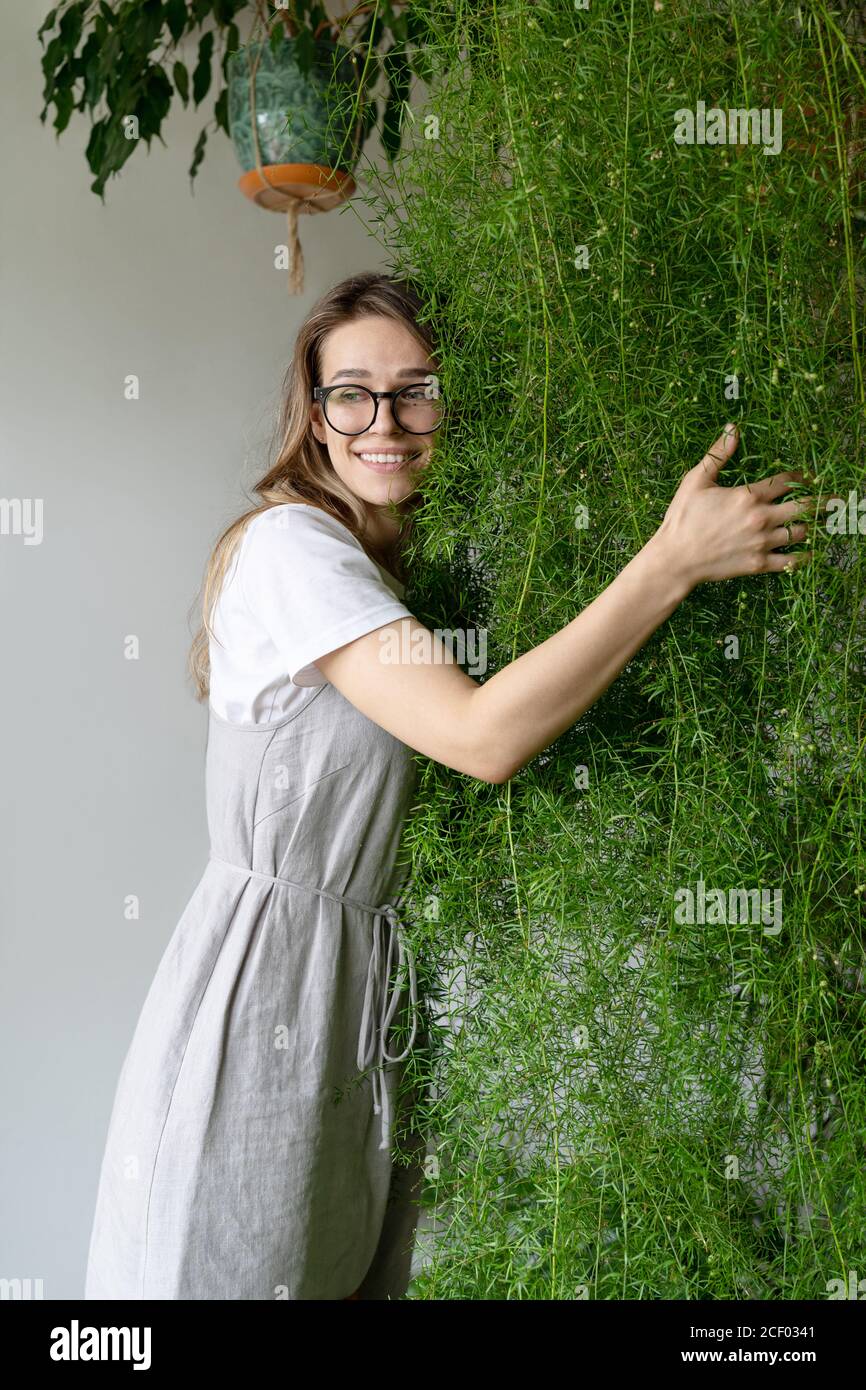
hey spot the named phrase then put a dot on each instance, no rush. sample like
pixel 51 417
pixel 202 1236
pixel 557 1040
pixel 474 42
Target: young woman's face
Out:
pixel 381 464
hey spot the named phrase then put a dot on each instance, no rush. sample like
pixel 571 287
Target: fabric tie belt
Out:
pixel 380 1005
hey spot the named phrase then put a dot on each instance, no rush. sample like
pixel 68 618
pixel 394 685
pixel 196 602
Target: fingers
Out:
pixel 786 511
pixel 796 561
pixel 785 531
pixel 717 456
pixel 777 484
pixel 787 535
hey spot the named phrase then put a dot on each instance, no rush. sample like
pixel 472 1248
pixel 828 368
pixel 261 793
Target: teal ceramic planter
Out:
pixel 301 117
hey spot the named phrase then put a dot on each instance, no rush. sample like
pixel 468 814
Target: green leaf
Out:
pixel 399 27
pixel 47 22
pixel 64 102
pixel 221 110
pixel 359 43
pixel 377 30
pixel 418 38
pixel 396 66
pixel 95 151
pixel 90 71
pixel 117 148
pixel 391 131
pixel 233 43
pixel 70 26
pixel 305 51
pixel 108 148
pixel 225 10
pixel 110 57
pixel 201 78
pixel 317 16
pixel 421 65
pixel 143 33
pixel 417 29
pixel 155 102
pixel 107 13
pixel 55 51
pixel 399 75
pixel 369 119
pixel 176 17
pixel 198 154
pixel 107 152
pixel 181 81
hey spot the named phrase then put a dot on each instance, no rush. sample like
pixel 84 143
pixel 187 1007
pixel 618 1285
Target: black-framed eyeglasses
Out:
pixel 348 409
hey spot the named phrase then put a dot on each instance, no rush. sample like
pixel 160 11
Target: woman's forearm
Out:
pixel 524 707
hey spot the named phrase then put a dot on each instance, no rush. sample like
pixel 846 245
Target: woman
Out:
pixel 249 1149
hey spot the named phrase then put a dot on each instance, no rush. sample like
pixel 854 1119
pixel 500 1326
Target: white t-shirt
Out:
pixel 300 585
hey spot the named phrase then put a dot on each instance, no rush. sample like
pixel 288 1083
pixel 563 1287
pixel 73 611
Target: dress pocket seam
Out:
pixel 302 793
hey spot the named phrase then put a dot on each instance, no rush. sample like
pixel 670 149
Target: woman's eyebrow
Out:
pixel 418 372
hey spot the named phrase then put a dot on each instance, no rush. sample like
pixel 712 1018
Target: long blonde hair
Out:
pixel 303 471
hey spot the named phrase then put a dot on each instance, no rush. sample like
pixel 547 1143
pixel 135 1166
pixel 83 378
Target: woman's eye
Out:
pixel 349 394
pixel 417 393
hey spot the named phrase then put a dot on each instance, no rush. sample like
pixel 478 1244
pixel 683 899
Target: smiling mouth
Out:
pixel 387 456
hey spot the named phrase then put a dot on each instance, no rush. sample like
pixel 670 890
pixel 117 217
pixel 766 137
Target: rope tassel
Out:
pixel 296 254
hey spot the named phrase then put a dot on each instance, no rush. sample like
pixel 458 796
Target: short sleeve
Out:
pixel 310 583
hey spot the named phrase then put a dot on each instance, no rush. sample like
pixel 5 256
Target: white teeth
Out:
pixel 385 458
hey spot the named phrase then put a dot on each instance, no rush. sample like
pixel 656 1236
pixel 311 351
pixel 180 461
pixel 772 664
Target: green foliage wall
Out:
pixel 626 1104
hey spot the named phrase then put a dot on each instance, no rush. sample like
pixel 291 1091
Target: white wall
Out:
pixel 102 788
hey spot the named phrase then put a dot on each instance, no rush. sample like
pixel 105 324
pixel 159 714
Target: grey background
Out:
pixel 102 784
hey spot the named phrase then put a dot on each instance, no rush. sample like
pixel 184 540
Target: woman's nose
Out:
pixel 385 417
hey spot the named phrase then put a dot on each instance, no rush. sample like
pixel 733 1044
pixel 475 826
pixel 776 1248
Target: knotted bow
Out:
pixel 380 1007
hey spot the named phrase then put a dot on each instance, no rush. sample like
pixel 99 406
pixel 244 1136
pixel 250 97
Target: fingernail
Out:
pixel 730 428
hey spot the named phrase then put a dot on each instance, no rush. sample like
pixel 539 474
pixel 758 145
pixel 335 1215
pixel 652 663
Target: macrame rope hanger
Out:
pixel 284 201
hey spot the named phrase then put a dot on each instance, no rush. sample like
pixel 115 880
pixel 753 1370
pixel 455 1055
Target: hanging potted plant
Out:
pixel 296 122
pixel 298 95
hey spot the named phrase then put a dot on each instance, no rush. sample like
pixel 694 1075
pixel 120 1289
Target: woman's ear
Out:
pixel 317 423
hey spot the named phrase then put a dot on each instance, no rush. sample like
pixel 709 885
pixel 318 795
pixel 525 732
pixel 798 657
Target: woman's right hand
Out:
pixel 712 532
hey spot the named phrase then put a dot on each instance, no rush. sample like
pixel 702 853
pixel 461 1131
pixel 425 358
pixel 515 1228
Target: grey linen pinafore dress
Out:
pixel 248 1153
